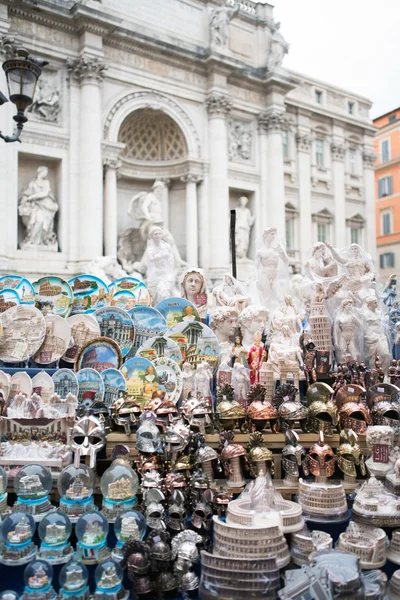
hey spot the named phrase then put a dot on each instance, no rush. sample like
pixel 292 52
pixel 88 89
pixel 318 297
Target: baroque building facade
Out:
pixel 191 93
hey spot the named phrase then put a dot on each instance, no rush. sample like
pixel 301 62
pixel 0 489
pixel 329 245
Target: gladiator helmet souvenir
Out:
pixel 384 400
pixel 353 411
pixel 321 458
pixel 294 455
pixel 87 438
pixel 261 458
pixel 229 411
pixel 260 411
pixel 148 438
pixel 290 410
pixel 349 454
pixel 322 409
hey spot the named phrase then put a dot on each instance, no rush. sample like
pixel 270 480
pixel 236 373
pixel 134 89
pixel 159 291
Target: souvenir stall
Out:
pixel 197 441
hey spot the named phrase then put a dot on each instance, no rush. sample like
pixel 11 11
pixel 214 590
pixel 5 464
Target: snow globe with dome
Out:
pixel 73 582
pixel 17 531
pixel 38 577
pixel 54 532
pixel 75 486
pixel 119 484
pixel 91 530
pixel 9 595
pixel 108 577
pixel 32 485
pixel 4 509
pixel 128 526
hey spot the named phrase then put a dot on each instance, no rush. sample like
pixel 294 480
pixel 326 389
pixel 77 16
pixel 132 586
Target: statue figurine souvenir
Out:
pixel 252 319
pixel 160 266
pixel 229 412
pixel 194 288
pixel 350 456
pixel 38 577
pixel 108 577
pixel 389 293
pixel 380 443
pixel 321 263
pixel 230 292
pixel 33 484
pixel 261 459
pixel 203 382
pixel 224 373
pixel 290 409
pixel 346 331
pixel 230 458
pixel 241 383
pixel 76 486
pixel 238 352
pixel 286 314
pixel 356 261
pixel 257 356
pixel 270 256
pixel 224 321
pixel 260 411
pixel 91 531
pixel 353 410
pixel 136 562
pixel 375 339
pixel 73 581
pixel 54 532
pixel 294 459
pixel 17 531
pixel 188 381
pixel 309 360
pixel 118 484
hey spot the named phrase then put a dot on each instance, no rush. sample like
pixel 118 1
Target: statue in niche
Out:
pixel 244 223
pixel 46 105
pixel 147 208
pixel 160 266
pixel 219 24
pixel 240 136
pixel 279 47
pixel 37 209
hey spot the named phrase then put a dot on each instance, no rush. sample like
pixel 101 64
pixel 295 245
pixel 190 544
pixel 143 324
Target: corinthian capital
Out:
pixel 218 104
pixel 273 120
pixel 368 159
pixel 8 47
pixel 191 178
pixel 303 141
pixel 337 151
pixel 112 162
pixel 86 68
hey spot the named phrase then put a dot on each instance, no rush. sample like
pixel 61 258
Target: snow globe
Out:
pixel 32 485
pixel 74 582
pixel 91 530
pixel 9 595
pixel 54 531
pixel 128 526
pixel 38 577
pixel 17 531
pixel 108 577
pixel 75 486
pixel 119 484
pixel 4 509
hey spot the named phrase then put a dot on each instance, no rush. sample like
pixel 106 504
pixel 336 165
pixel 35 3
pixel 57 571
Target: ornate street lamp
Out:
pixel 22 73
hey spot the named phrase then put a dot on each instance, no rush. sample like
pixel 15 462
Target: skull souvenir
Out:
pixel 294 455
pixel 259 410
pixel 349 455
pixel 290 410
pixel 353 411
pixel 87 438
pixel 322 411
pixel 384 400
pixel 321 458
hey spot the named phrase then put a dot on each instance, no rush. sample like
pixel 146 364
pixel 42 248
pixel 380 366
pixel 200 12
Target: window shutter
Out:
pixel 380 188
pixel 381 261
pixel 389 185
pixel 391 259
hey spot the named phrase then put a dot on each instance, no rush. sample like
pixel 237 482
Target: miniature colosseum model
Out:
pixel 393 554
pixel 250 548
pixel 304 542
pixel 368 543
pixel 375 504
pixel 394 586
pixel 322 499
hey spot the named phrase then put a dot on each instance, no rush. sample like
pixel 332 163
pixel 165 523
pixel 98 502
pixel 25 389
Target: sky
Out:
pixel 353 44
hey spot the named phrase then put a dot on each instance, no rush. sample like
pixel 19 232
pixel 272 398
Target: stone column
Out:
pixel 192 227
pixel 218 107
pixel 263 217
pixel 203 215
pixel 369 192
pixel 339 192
pixel 165 205
pixel 274 122
pixel 303 141
pixel 111 166
pixel 89 72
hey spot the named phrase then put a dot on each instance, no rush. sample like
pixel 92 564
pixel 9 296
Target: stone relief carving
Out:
pixel 240 140
pixel 87 68
pixel 244 223
pixel 47 104
pixel 279 47
pixel 218 103
pixel 37 209
pixel 219 24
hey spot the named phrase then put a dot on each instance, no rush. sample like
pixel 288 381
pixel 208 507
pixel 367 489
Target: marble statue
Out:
pixel 296 292
pixel 356 261
pixel 283 350
pixel 240 135
pixel 286 314
pixel 346 332
pixel 46 104
pixel 244 223
pixel 37 209
pixel 240 381
pixel 226 352
pixel 321 262
pixel 230 292
pixel 253 318
pixel 279 47
pixel 269 256
pixel 256 357
pixel 219 24
pixel 375 340
pixel 193 287
pixel 224 320
pixel 202 381
pixel 367 288
pixel 147 208
pixel 107 268
pixel 188 381
pixel 160 266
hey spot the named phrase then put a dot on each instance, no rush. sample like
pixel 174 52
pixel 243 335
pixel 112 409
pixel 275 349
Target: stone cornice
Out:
pixel 218 104
pixel 46 139
pixel 273 120
pixel 87 68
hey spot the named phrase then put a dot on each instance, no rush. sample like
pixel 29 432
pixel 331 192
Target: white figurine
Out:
pixel 270 255
pixel 226 352
pixel 231 293
pixel 224 320
pixel 194 288
pixel 296 282
pixel 286 314
pixel 240 381
pixel 321 262
pixel 346 332
pixel 160 266
pixel 375 339
pixel 367 288
pixel 253 318
pixel 202 382
pixel 188 381
pixel 356 261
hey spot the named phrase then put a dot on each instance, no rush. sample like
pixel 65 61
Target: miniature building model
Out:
pixel 375 504
pixel 393 554
pixel 322 499
pixel 304 542
pixel 368 543
pixel 120 489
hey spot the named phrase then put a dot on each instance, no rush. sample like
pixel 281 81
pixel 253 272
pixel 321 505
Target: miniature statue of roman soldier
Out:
pixel 256 357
